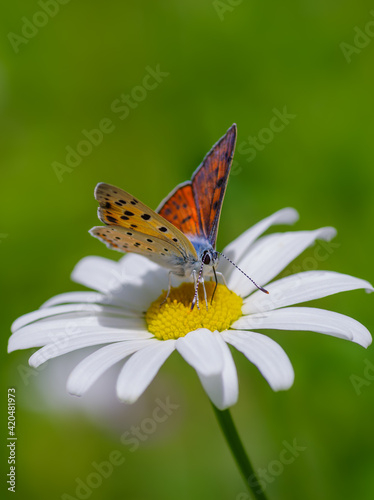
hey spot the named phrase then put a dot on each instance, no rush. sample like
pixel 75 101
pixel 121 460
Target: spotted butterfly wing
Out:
pixel 134 227
pixel 194 206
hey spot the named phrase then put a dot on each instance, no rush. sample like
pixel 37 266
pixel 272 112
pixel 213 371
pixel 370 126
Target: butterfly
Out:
pixel 181 234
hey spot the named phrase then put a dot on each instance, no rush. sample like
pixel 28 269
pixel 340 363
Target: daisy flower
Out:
pixel 126 318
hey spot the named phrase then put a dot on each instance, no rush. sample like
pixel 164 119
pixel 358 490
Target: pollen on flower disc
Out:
pixel 174 318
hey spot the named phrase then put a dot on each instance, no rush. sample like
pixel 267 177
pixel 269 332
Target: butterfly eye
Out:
pixel 206 258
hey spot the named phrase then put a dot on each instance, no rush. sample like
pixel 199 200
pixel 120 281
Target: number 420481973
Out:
pixel 11 410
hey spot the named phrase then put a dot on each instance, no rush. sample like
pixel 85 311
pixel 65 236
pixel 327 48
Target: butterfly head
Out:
pixel 209 257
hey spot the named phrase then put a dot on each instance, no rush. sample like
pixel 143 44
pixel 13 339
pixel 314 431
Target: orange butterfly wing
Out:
pixel 194 207
pixel 180 209
pixel 209 183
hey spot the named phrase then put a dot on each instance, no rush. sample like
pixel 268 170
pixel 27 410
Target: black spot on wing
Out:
pixel 221 181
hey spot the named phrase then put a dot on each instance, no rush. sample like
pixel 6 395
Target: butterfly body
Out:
pixel 181 234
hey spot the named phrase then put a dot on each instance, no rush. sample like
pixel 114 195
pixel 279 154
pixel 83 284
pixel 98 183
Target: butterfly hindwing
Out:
pixel 194 207
pixel 154 248
pixel 119 208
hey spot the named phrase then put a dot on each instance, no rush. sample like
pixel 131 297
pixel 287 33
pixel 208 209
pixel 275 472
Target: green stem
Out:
pixel 233 440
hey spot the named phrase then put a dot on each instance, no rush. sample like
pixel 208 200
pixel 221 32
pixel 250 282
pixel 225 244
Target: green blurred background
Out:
pixel 222 62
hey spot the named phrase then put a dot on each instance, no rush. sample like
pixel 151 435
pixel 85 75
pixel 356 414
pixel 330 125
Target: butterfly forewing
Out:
pixel 209 183
pixel 194 207
pixel 119 208
pixel 180 209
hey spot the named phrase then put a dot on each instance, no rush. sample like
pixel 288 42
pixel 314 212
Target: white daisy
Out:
pixel 124 313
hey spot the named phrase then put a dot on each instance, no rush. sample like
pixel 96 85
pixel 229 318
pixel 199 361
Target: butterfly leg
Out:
pixel 195 299
pixel 205 296
pixel 223 278
pixel 169 289
pixel 215 288
pixel 216 274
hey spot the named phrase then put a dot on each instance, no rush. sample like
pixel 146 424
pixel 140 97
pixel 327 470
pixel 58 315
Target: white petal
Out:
pixel 132 286
pixel 202 350
pixel 270 255
pixel 97 273
pixel 52 330
pixel 137 266
pixel 208 354
pixel 141 368
pixel 93 366
pixel 236 249
pixel 72 343
pixel 222 388
pixel 94 309
pixel 308 319
pixel 302 287
pixel 153 278
pixel 69 297
pixel 266 354
pixel 132 305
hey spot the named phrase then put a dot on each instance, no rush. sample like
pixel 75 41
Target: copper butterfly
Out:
pixel 181 234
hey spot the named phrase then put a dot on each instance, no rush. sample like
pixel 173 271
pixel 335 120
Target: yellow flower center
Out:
pixel 174 318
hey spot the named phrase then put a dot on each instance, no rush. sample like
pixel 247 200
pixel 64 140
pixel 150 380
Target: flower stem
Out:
pixel 233 440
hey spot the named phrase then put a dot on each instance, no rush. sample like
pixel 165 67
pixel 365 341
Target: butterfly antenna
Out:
pixel 246 275
pixel 197 286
